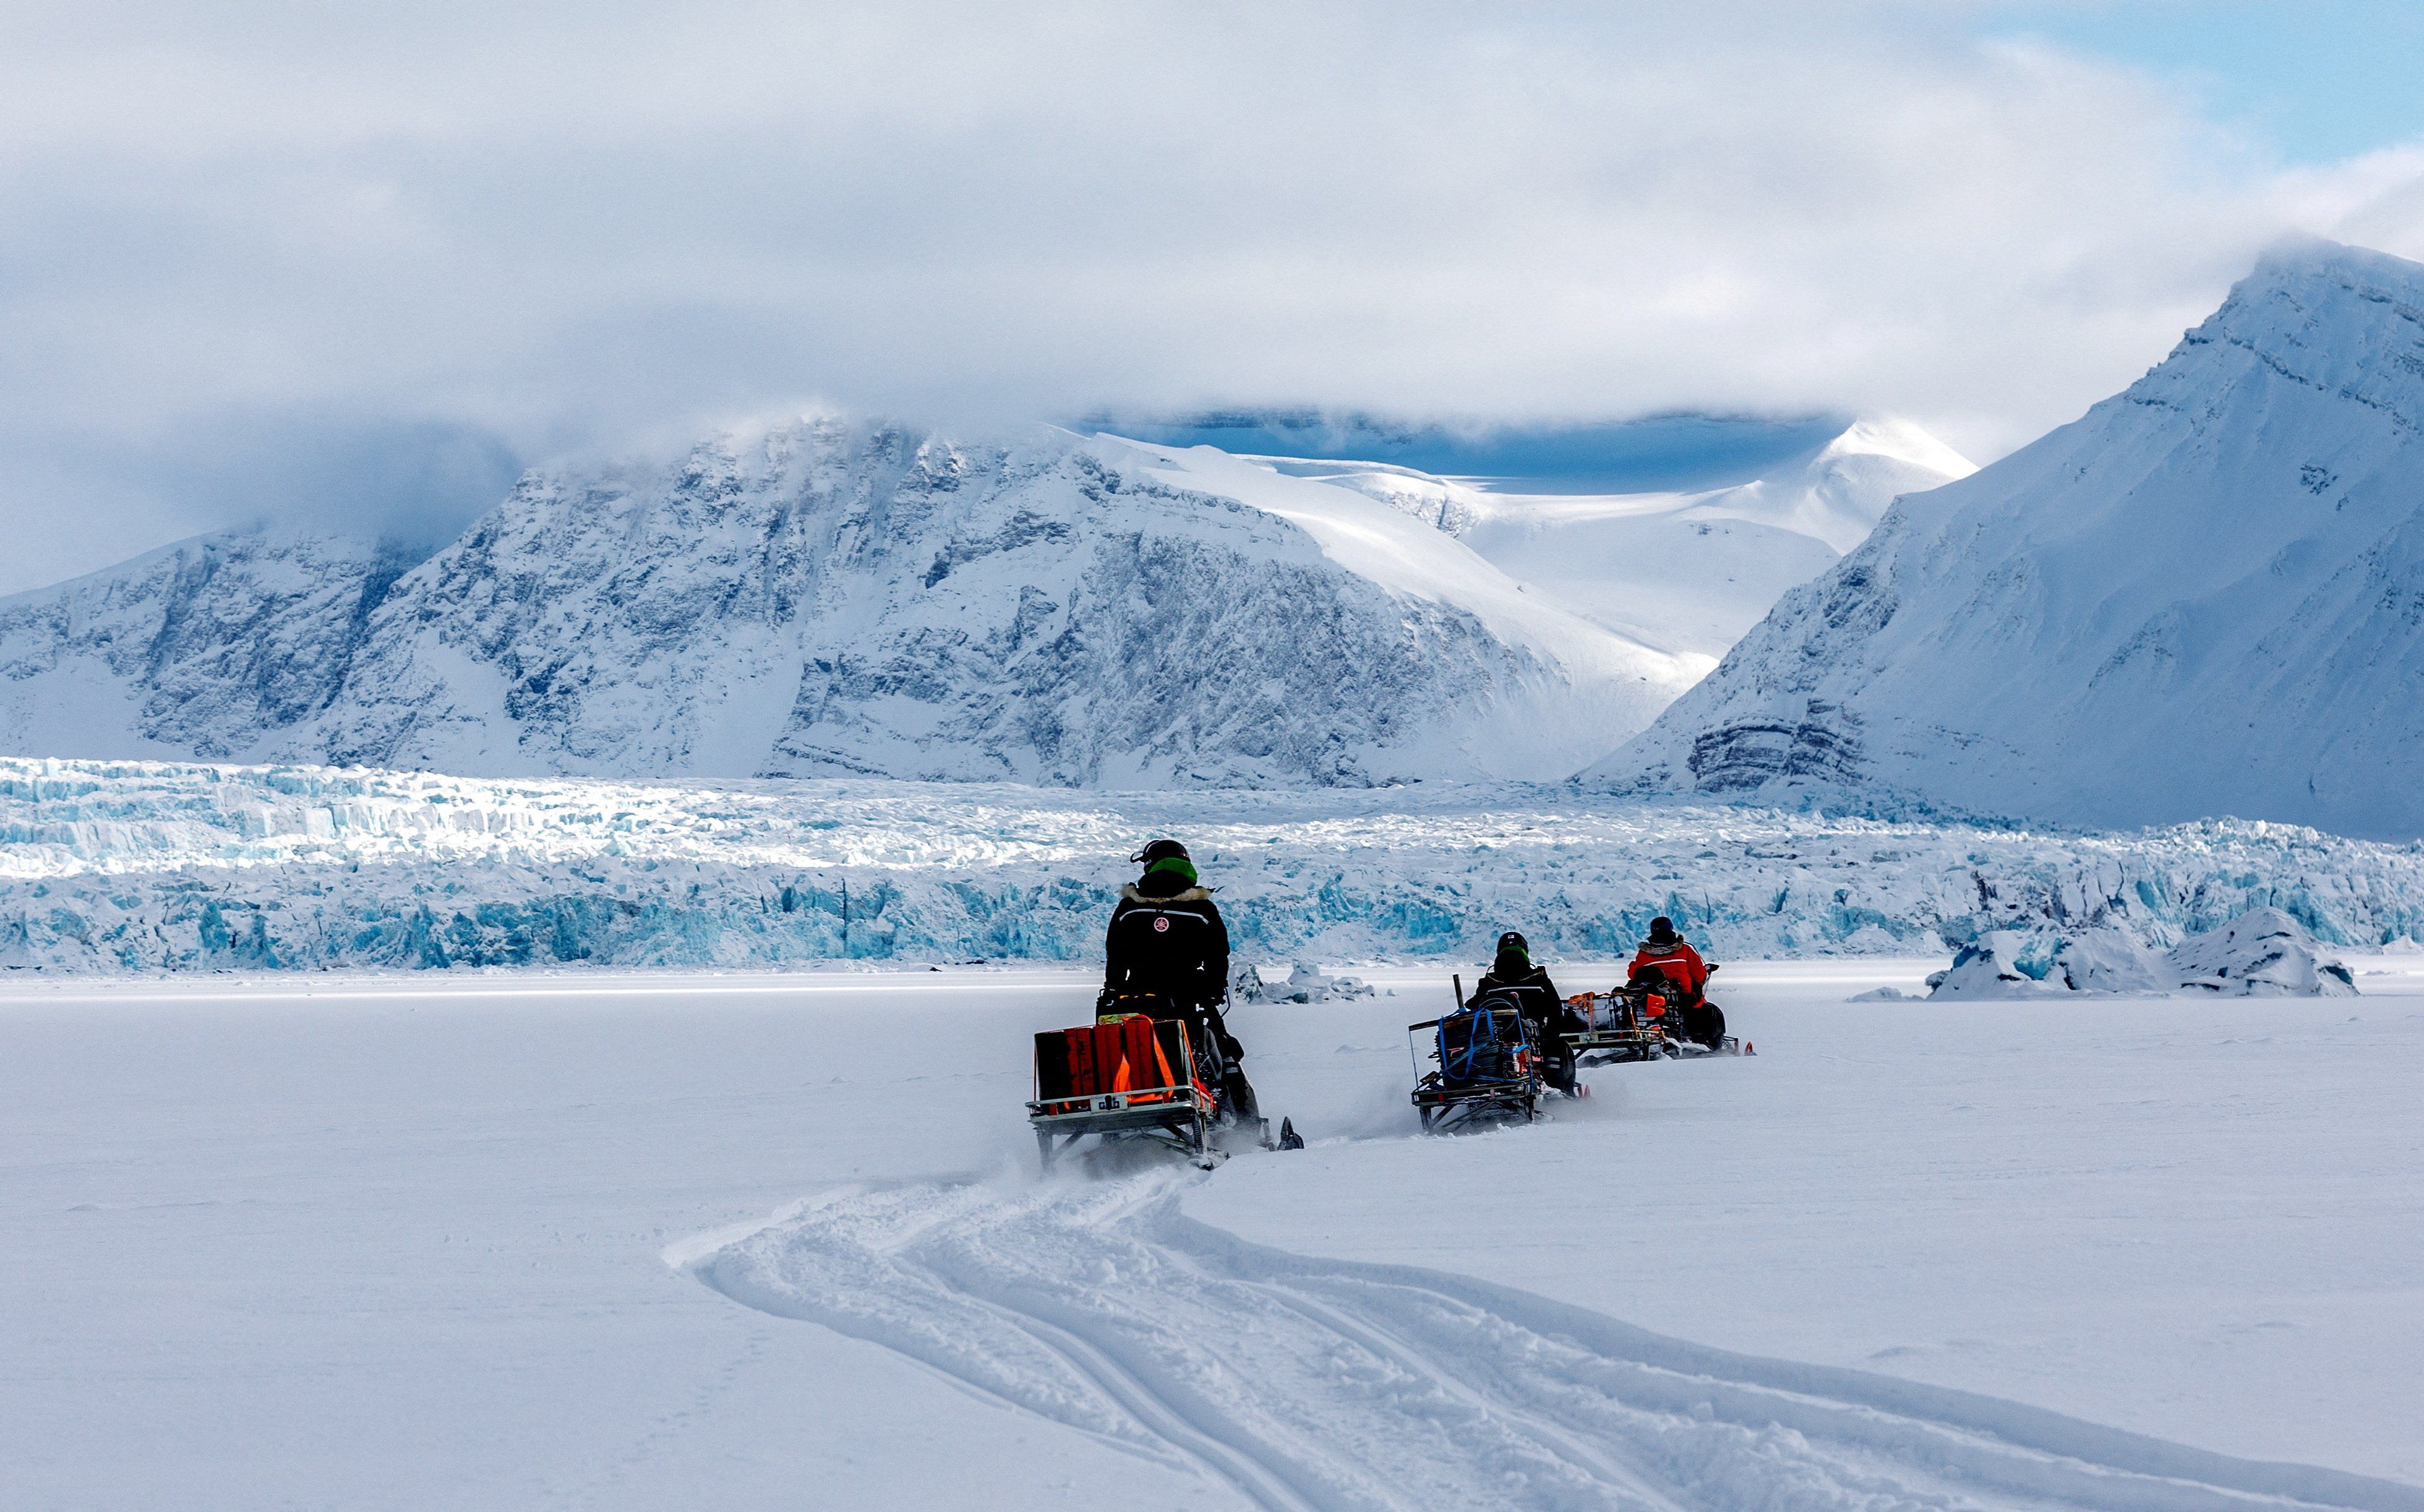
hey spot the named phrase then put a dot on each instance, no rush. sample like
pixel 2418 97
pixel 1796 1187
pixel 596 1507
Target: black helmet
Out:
pixel 1662 930
pixel 1161 851
pixel 1514 956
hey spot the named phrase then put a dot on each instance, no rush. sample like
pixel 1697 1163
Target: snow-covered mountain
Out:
pixel 1686 572
pixel 832 597
pixel 205 649
pixel 2205 597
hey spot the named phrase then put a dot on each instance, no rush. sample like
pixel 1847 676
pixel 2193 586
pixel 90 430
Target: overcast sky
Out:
pixel 360 261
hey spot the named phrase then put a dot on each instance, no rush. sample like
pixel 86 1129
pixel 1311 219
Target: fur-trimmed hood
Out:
pixel 1130 893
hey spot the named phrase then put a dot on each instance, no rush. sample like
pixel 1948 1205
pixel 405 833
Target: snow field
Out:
pixel 1307 1384
pixel 416 1241
pixel 2186 1217
pixel 1691 573
pixel 375 1246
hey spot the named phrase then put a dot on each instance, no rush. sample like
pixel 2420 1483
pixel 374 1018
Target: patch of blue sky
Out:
pixel 2320 80
pixel 1680 451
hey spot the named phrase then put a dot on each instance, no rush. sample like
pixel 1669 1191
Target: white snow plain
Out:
pixel 638 1241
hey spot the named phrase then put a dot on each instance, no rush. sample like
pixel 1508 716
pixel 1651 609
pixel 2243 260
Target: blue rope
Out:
pixel 1483 1027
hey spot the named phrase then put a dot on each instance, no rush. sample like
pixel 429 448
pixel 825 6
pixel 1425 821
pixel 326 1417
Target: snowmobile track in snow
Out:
pixel 1308 1385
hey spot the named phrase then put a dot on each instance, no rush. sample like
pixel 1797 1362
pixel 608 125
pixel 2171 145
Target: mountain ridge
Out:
pixel 2204 597
pixel 828 597
pixel 832 596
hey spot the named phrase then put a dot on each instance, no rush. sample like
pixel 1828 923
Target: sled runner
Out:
pixel 1132 1079
pixel 1488 1068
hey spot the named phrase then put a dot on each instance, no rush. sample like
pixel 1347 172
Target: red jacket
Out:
pixel 1678 962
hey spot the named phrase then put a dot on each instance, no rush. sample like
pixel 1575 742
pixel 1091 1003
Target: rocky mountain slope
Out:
pixel 831 597
pixel 203 648
pixel 2205 597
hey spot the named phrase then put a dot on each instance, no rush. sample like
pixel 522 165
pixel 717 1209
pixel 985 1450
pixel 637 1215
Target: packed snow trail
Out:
pixel 1313 1385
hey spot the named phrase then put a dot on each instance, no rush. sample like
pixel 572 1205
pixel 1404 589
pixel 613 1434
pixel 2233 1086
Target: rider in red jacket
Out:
pixel 1665 954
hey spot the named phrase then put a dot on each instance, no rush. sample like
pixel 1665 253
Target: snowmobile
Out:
pixel 1642 1020
pixel 1140 1079
pixel 1488 1069
pixel 1616 1027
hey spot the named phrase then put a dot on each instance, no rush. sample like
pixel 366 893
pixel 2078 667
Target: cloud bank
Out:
pixel 251 261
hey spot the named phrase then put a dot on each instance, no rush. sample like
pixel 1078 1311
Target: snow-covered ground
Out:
pixel 117 866
pixel 597 1240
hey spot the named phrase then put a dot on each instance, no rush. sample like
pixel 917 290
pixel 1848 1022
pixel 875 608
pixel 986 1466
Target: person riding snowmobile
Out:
pixel 1167 953
pixel 1666 960
pixel 1545 1013
pixel 1665 954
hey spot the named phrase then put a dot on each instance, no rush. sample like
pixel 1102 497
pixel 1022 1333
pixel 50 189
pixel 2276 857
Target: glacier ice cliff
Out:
pixel 117 866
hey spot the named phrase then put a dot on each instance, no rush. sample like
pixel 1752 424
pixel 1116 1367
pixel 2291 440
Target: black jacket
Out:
pixel 1537 998
pixel 1167 937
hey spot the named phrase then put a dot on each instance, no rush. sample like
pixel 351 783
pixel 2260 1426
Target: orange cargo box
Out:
pixel 1128 1053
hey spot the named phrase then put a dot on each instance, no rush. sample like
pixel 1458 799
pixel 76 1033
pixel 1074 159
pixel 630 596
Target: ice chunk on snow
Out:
pixel 2111 961
pixel 1990 967
pixel 2261 953
pixel 1303 983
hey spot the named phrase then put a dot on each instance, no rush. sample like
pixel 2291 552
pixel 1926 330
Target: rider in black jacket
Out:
pixel 1544 1012
pixel 1167 941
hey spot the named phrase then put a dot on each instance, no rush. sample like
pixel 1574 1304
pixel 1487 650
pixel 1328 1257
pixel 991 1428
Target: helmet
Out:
pixel 1161 851
pixel 1662 930
pixel 1514 955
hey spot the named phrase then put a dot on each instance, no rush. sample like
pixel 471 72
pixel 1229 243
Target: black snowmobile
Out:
pixel 1489 1069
